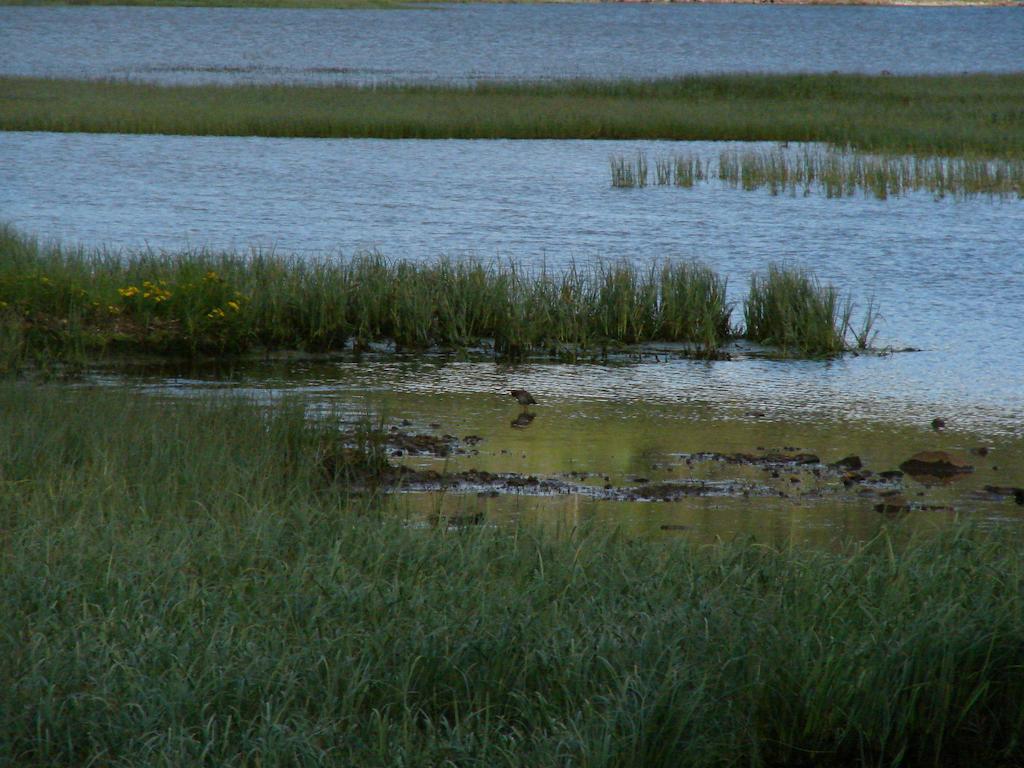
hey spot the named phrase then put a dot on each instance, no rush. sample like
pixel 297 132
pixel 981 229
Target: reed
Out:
pixel 788 308
pixel 183 586
pixel 842 174
pixel 839 173
pixel 78 303
pixel 947 115
pixel 631 171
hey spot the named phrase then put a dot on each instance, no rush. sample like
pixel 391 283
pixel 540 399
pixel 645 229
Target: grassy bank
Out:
pixel 979 115
pixel 77 303
pixel 182 585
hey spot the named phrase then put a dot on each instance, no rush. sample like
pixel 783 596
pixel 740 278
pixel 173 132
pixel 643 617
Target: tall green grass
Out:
pixel 199 302
pixel 948 115
pixel 76 303
pixel 789 308
pixel 179 585
pixel 835 173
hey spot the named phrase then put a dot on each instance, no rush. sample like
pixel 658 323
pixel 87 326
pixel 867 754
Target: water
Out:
pixel 619 423
pixel 465 43
pixel 948 275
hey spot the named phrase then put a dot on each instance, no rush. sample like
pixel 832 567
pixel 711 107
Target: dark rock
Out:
pixel 981 450
pixel 848 462
pixel 938 424
pixel 891 474
pixel 939 464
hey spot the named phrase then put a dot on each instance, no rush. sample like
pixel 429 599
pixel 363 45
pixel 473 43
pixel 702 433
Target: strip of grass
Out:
pixel 834 173
pixel 75 303
pixel 179 586
pixel 978 115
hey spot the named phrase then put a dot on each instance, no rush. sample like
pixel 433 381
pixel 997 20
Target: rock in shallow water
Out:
pixel 935 464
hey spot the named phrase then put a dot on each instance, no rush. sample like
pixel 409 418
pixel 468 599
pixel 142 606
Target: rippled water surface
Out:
pixel 463 43
pixel 948 275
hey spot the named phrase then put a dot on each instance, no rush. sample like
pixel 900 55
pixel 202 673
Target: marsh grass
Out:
pixel 837 173
pixel 91 302
pixel 842 174
pixel 631 171
pixel 948 115
pixel 787 307
pixel 181 586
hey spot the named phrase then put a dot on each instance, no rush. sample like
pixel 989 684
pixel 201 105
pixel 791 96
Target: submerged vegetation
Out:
pixel 971 115
pixel 75 303
pixel 835 173
pixel 182 584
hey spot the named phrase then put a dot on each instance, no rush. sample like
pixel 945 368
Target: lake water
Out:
pixel 948 275
pixel 464 43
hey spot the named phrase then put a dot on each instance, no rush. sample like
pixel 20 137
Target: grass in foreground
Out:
pixel 971 115
pixel 180 586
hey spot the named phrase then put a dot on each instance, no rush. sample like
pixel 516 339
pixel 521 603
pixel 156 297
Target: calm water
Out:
pixel 949 276
pixel 472 42
pixel 617 423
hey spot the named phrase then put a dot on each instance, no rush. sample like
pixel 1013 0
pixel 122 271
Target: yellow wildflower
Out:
pixel 234 305
pixel 128 292
pixel 216 314
pixel 211 275
pixel 113 310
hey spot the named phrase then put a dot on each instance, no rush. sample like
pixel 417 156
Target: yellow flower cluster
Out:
pixel 215 314
pixel 128 292
pixel 155 292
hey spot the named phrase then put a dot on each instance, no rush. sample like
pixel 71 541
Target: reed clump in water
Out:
pixel 200 302
pixel 838 173
pixel 949 115
pixel 182 585
pixel 631 171
pixel 787 307
pixel 842 174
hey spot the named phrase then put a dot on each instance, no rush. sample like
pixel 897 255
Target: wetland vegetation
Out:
pixel 75 303
pixel 977 115
pixel 185 583
pixel 834 173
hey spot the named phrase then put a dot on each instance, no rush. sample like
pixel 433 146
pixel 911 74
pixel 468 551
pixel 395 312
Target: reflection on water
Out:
pixel 189 45
pixel 613 432
pixel 948 276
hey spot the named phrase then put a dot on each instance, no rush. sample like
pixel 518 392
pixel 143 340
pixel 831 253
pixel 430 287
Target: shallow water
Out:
pixel 623 424
pixel 464 43
pixel 948 275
